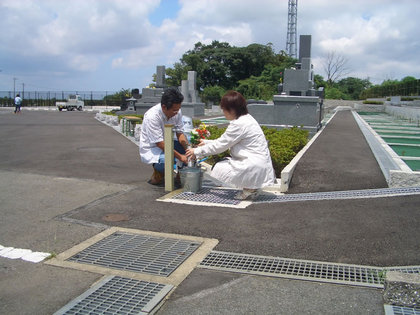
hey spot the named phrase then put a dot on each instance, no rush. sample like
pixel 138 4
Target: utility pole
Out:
pixel 291 46
pixel 23 90
pixel 14 87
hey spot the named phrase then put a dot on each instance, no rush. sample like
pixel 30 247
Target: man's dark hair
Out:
pixel 171 96
pixel 234 102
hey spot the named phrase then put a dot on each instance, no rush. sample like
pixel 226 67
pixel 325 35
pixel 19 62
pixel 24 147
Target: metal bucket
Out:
pixel 191 179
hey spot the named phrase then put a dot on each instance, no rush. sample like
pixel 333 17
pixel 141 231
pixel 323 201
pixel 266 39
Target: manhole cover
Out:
pixel 116 217
pixel 137 253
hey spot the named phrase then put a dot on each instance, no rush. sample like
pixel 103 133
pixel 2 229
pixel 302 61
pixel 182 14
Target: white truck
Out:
pixel 73 102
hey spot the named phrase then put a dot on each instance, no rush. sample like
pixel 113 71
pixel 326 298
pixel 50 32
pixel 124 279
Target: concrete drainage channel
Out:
pixel 365 276
pixel 142 268
pixel 344 274
pixel 223 197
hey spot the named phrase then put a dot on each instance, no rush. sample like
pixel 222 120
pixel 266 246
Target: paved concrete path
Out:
pixel 340 159
pixel 62 173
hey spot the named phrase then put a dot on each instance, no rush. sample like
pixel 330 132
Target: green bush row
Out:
pixel 373 102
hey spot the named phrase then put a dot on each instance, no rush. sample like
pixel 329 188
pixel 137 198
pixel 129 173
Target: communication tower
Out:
pixel 291 46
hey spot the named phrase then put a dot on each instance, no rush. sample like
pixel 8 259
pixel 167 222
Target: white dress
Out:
pixel 250 165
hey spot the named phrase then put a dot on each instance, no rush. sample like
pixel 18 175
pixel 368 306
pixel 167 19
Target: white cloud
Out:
pixel 135 58
pixel 84 63
pixel 378 37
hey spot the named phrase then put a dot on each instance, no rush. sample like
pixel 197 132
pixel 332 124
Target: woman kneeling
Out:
pixel 249 167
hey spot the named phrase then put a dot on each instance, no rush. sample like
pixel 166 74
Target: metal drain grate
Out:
pixel 295 269
pixel 400 310
pixel 137 252
pixel 211 195
pixel 405 269
pixel 117 295
pixel 349 194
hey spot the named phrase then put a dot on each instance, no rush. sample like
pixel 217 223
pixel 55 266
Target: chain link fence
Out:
pixel 48 98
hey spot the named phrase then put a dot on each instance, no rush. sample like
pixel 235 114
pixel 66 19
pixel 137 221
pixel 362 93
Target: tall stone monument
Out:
pixel 192 105
pixel 298 103
pixel 152 96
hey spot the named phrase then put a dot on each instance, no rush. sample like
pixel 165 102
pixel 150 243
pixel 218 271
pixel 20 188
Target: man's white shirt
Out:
pixel 152 132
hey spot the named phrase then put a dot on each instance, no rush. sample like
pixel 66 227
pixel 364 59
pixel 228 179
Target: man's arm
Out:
pixel 182 139
pixel 183 158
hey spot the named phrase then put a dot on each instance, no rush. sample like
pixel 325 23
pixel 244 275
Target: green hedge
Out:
pixel 373 102
pixel 284 144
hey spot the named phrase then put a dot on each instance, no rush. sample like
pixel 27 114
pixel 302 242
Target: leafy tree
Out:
pixel 212 94
pixel 265 85
pixel 220 64
pixel 175 75
pixel 408 79
pixel 389 82
pixel 334 93
pixel 252 88
pixel 319 81
pixel 352 87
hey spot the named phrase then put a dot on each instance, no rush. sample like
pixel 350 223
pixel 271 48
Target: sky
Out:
pixel 109 45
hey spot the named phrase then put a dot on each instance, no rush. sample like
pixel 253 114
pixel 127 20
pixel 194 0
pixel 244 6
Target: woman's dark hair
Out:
pixel 234 102
pixel 171 96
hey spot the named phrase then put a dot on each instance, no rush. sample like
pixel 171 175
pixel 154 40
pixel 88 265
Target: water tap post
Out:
pixel 169 157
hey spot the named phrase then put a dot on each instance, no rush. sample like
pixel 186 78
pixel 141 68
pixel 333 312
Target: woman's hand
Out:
pixel 201 142
pixel 190 153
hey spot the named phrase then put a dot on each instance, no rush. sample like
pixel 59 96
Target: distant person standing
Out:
pixel 18 103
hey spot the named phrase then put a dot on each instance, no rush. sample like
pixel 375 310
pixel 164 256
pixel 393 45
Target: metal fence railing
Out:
pixel 411 88
pixel 48 98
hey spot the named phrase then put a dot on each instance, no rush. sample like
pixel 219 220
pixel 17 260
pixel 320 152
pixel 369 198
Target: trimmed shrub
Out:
pixel 373 102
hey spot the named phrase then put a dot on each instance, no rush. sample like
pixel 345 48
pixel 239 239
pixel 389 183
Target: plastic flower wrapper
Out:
pixel 199 133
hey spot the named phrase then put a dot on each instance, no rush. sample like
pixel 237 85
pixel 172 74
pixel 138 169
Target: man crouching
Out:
pixel 152 144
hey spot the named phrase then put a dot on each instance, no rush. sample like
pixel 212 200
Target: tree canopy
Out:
pixel 228 67
pixel 256 70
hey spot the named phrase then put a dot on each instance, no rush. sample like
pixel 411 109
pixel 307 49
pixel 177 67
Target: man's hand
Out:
pixel 183 158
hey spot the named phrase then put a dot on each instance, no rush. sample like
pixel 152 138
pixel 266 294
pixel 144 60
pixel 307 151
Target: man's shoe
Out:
pixel 156 179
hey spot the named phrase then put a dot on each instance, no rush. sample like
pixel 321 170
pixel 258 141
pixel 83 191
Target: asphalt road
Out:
pixel 61 166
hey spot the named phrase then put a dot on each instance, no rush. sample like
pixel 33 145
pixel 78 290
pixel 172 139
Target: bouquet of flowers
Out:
pixel 199 133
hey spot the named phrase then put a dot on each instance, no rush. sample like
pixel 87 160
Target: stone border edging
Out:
pixel 396 172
